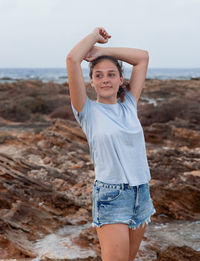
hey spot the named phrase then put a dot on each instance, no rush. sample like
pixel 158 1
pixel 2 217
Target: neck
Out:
pixel 112 100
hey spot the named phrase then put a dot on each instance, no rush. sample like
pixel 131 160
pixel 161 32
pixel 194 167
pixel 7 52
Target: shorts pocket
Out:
pixel 109 194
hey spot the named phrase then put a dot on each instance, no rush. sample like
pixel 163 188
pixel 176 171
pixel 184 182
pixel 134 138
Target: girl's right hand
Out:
pixel 102 35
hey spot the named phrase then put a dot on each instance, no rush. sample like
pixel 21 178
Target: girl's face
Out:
pixel 106 79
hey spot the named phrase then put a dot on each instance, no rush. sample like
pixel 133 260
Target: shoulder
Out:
pixel 130 99
pixel 84 113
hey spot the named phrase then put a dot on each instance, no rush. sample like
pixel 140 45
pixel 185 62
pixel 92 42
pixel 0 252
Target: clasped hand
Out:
pixel 101 37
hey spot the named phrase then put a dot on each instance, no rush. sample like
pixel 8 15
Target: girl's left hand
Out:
pixel 94 52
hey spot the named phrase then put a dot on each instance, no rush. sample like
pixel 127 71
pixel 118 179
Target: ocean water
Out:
pixel 59 75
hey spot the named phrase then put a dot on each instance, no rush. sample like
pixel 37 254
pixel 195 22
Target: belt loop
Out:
pixel 122 186
pixel 137 195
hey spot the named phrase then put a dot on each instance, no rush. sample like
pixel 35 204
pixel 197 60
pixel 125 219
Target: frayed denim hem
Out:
pixel 146 221
pixel 133 227
pixel 109 223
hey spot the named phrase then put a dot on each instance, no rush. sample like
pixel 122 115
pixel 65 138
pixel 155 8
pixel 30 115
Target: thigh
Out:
pixel 135 237
pixel 114 241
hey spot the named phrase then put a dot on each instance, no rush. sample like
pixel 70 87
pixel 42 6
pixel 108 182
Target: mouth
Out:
pixel 106 87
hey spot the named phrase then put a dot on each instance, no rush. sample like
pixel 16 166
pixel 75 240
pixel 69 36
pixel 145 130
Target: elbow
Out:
pixel 70 58
pixel 146 55
pixel 144 58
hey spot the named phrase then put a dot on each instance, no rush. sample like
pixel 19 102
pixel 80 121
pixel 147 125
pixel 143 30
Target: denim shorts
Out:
pixel 121 203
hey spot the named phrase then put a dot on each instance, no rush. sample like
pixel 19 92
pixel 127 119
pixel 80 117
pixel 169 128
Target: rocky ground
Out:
pixel 46 173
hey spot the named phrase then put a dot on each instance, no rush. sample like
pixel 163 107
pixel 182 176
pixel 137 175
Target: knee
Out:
pixel 119 258
pixel 116 257
pixel 122 258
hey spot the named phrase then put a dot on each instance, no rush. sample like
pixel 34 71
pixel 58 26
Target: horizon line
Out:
pixel 85 67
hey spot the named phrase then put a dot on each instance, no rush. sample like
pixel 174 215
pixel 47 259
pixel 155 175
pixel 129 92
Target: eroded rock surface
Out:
pixel 46 173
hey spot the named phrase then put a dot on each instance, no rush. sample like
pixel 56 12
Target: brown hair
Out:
pixel 118 64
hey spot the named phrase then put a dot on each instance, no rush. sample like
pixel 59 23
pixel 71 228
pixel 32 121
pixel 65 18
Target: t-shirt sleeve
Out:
pixel 82 116
pixel 130 99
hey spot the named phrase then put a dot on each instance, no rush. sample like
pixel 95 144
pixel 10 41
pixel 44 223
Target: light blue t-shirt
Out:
pixel 116 140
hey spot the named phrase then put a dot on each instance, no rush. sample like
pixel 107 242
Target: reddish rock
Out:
pixel 46 173
pixel 174 253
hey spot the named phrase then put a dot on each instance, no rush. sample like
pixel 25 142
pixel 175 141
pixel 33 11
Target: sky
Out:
pixel 40 33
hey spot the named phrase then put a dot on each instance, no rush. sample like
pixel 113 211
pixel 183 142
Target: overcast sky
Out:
pixel 40 33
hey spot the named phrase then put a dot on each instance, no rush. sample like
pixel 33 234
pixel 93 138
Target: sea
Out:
pixel 59 75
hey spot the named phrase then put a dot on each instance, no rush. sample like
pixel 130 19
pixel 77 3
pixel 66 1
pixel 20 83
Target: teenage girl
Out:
pixel 122 204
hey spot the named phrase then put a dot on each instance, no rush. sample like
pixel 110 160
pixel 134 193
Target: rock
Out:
pixel 174 253
pixel 46 172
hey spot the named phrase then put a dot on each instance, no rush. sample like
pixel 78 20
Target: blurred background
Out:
pixel 39 34
pixel 46 172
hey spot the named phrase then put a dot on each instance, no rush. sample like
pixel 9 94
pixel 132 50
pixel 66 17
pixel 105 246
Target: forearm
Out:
pixel 79 51
pixel 130 55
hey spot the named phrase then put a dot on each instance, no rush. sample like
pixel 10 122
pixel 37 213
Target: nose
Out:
pixel 105 79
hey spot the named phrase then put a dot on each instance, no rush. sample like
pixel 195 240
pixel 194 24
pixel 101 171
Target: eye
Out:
pixel 98 75
pixel 111 74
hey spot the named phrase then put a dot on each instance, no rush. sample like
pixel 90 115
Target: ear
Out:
pixel 91 82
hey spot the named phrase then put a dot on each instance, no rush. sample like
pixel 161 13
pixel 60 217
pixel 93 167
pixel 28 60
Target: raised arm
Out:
pixel 136 57
pixel 76 82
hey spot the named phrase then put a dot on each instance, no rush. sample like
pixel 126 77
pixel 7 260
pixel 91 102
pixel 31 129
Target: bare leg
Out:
pixel 114 242
pixel 135 237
